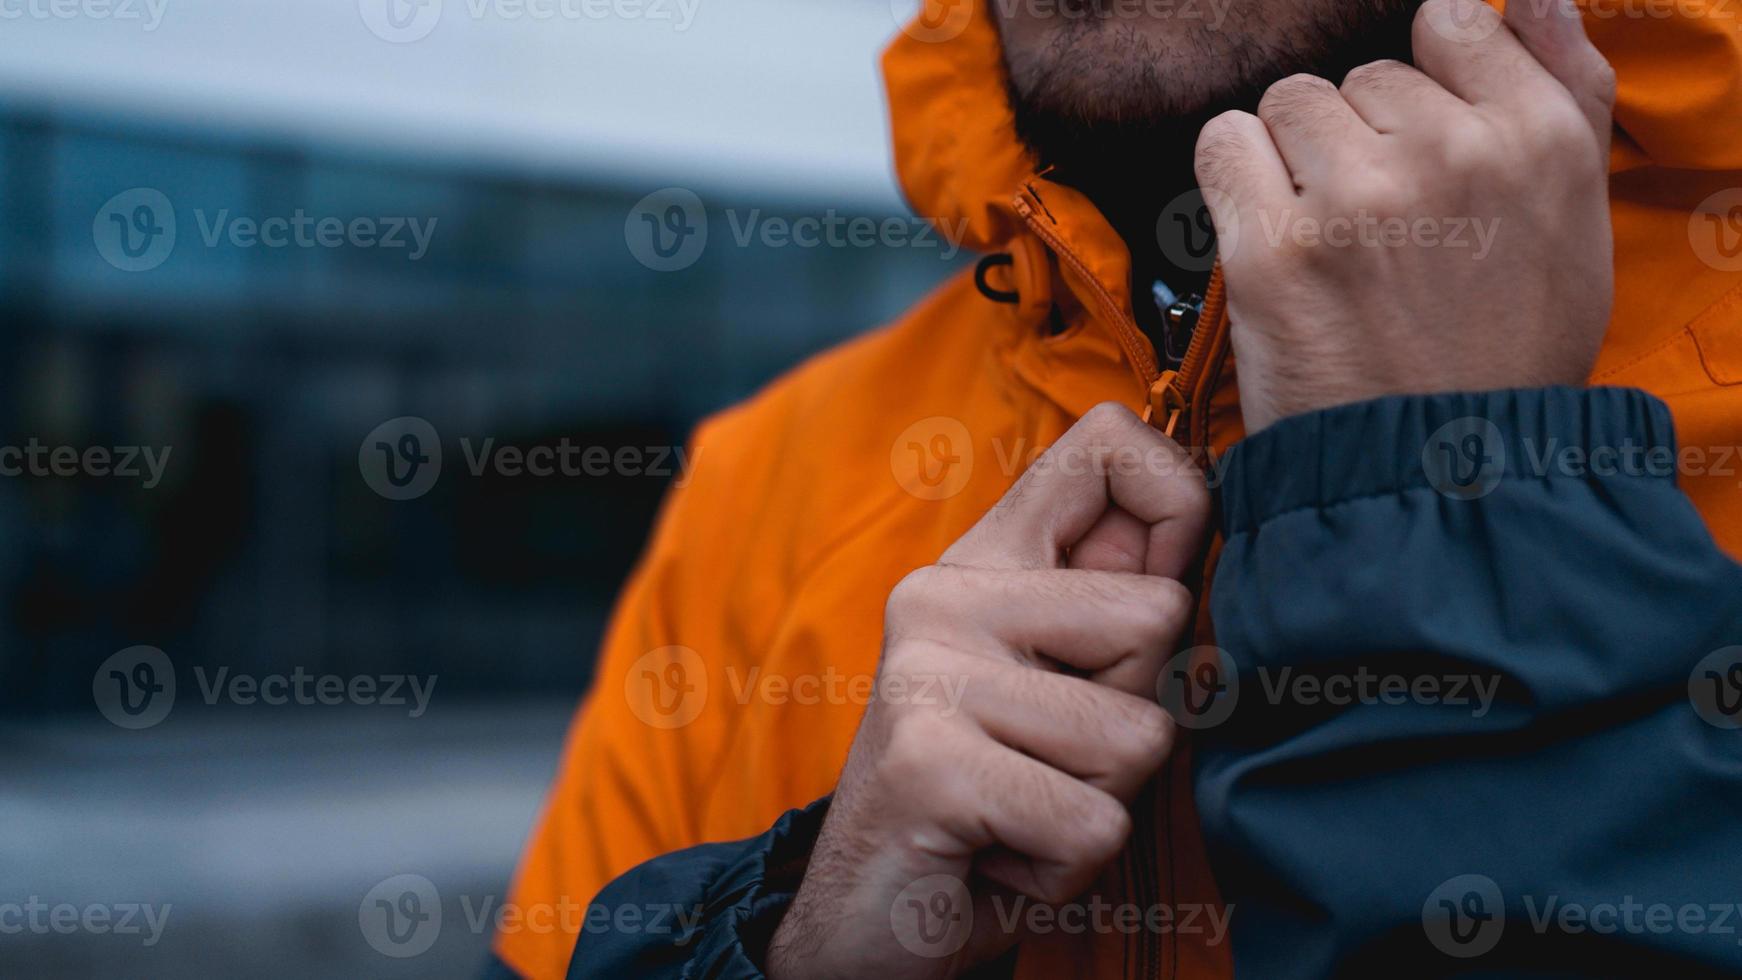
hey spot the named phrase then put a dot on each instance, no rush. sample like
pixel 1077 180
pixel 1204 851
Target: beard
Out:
pixel 1113 109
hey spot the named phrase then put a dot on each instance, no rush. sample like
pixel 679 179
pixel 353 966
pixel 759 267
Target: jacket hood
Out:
pixel 1679 103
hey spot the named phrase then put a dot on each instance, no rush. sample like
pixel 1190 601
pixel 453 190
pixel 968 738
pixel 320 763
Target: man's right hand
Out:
pixel 1053 617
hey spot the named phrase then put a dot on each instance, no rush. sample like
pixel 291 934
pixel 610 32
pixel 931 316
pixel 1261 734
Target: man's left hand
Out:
pixel 1432 228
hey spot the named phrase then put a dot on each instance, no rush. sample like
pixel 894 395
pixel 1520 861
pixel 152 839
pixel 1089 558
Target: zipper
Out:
pixel 1172 394
pixel 1170 391
pixel 1179 326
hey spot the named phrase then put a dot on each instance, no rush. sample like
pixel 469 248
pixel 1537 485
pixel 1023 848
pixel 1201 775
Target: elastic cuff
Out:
pixel 1463 445
pixel 746 901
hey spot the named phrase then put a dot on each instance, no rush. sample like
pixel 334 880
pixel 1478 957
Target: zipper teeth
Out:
pixel 1131 339
pixel 1209 320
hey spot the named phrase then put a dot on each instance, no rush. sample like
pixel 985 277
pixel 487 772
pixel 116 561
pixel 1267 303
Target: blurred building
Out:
pixel 526 319
pixel 523 145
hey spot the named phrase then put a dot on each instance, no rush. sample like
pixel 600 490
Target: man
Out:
pixel 1402 501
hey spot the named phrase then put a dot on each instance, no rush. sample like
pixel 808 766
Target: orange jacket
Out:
pixel 736 667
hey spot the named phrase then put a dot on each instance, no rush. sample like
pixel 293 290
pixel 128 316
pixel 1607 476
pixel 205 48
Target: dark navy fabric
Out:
pixel 1591 785
pixel 730 897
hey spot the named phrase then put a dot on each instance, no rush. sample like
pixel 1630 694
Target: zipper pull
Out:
pixel 1180 319
pixel 1166 403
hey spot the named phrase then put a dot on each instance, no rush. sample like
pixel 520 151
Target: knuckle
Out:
pixel 1383 75
pixel 909 761
pixel 1292 91
pixel 1469 145
pixel 1173 603
pixel 1193 502
pixel 1300 100
pixel 1152 728
pixel 1219 143
pixel 1439 21
pixel 1058 886
pixel 1100 831
pixel 913 593
pixel 1106 419
pixel 1560 135
pixel 1603 83
pixel 1140 733
pixel 1380 190
pixel 1158 610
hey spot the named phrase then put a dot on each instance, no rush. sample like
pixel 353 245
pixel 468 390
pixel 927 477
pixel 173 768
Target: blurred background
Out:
pixel 248 249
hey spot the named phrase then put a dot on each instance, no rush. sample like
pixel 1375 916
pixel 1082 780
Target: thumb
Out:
pixel 1554 33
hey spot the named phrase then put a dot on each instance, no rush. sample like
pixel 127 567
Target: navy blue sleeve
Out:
pixel 1478 696
pixel 707 911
